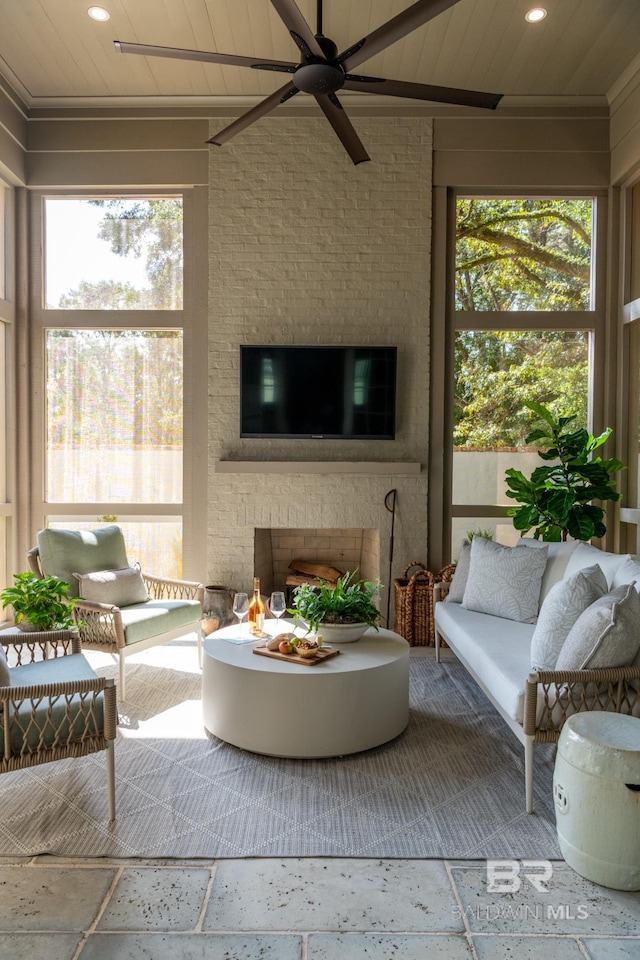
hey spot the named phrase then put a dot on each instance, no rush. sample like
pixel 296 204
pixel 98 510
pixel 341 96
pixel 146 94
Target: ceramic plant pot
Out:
pixel 341 632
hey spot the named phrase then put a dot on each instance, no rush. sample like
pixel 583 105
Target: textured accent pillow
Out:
pixel 117 587
pixel 5 676
pixel 459 579
pixel 562 606
pixel 607 634
pixel 585 555
pixel 504 581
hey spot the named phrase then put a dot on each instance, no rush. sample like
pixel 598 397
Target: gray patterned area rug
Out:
pixel 451 786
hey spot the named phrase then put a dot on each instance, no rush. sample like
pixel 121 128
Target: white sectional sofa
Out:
pixel 579 650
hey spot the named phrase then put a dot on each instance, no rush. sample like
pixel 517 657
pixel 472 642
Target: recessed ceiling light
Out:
pixel 535 15
pixel 98 13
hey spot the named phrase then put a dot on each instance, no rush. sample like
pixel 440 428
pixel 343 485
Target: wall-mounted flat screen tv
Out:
pixel 318 392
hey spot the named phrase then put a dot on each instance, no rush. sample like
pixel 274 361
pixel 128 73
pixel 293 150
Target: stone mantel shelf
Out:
pixel 372 468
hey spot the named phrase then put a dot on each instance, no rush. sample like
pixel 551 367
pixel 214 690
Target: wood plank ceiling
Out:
pixel 51 51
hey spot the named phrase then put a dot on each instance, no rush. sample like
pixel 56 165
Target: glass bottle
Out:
pixel 256 607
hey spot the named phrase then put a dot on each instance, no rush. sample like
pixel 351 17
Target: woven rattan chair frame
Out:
pixel 76 730
pixel 100 624
pixel 551 696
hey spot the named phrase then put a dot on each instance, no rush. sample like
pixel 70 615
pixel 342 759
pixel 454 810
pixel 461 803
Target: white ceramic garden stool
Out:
pixel 596 789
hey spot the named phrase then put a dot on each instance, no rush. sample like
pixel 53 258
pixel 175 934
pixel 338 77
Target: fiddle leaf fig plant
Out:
pixel 40 602
pixel 556 501
pixel 351 601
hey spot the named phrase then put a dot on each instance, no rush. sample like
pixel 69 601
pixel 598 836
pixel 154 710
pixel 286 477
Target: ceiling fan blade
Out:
pixel 260 110
pixel 298 27
pixel 333 111
pixel 422 91
pixel 394 29
pixel 202 56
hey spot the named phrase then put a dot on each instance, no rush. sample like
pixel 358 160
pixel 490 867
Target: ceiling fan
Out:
pixel 322 71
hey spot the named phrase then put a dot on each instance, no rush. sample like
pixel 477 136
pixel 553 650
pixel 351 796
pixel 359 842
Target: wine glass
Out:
pixel 241 606
pixel 277 604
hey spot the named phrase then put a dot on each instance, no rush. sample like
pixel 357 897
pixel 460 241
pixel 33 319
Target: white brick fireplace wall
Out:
pixel 306 248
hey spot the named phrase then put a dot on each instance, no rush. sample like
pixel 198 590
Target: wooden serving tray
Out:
pixel 321 655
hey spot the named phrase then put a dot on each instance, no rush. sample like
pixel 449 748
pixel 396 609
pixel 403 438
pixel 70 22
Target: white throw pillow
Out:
pixel 563 605
pixel 120 588
pixel 558 555
pixel 627 572
pixel 459 579
pixel 504 581
pixel 607 634
pixel 585 555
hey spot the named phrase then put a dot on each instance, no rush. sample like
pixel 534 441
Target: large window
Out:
pixel 113 345
pixel 117 254
pixel 522 324
pixel 114 416
pixel 523 254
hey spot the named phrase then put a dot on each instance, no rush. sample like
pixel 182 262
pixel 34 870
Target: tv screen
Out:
pixel 332 393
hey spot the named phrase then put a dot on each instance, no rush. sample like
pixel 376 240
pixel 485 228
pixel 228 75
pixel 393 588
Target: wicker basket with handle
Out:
pixel 413 602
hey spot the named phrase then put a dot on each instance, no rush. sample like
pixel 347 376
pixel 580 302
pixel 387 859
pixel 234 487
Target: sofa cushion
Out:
pixel 504 581
pixel 459 579
pixel 585 555
pixel 56 670
pixel 65 552
pixel 558 555
pixel 564 603
pixel 496 650
pixel 627 572
pixel 117 587
pixel 144 620
pixel 607 634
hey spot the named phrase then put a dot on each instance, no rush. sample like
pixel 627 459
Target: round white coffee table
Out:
pixel 351 702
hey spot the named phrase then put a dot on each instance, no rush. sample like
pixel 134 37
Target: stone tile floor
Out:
pixel 305 909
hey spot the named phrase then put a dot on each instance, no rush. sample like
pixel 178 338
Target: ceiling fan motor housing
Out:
pixel 319 77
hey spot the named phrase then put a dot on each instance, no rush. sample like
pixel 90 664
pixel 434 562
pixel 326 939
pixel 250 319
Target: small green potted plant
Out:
pixel 341 614
pixel 39 603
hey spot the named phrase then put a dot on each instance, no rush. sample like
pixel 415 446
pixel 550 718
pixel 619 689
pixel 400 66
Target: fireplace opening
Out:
pixel 275 550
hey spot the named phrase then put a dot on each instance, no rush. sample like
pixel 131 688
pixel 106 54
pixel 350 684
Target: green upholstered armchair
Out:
pixel 52 704
pixel 121 610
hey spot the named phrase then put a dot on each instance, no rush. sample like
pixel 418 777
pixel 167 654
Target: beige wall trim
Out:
pixel 13 139
pixel 142 169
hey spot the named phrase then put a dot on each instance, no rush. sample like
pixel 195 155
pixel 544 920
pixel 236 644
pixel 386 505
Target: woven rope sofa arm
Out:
pixel 68 718
pixel 29 647
pixel 99 624
pixel 553 695
pixel 163 588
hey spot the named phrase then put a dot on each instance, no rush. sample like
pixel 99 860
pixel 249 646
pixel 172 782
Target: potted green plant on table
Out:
pixel 39 603
pixel 341 613
pixel 556 501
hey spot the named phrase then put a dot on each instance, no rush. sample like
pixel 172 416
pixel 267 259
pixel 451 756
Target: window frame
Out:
pixel 191 320
pixel 446 321
pixel 7 384
pixel 629 359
